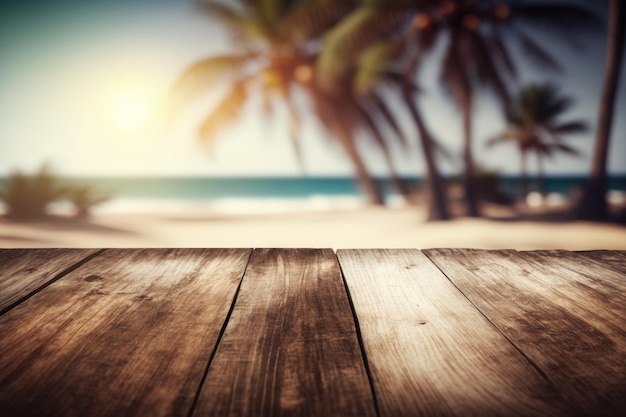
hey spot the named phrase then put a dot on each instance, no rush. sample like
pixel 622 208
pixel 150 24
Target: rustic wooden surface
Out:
pixel 231 332
pixel 23 272
pixel 565 314
pixel 430 350
pixel 610 259
pixel 290 347
pixel 129 333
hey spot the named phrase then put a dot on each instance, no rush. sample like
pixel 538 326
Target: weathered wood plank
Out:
pixel 290 347
pixel 564 314
pixel 430 351
pixel 24 271
pixel 128 334
pixel 609 258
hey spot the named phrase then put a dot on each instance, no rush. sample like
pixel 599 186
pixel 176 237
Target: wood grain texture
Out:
pixel 290 347
pixel 128 334
pixel 608 258
pixel 565 313
pixel 430 351
pixel 24 271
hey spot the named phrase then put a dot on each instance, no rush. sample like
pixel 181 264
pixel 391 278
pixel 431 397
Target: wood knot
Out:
pixel 92 278
pixel 421 322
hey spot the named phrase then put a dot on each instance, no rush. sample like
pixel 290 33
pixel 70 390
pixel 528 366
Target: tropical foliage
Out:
pixel 278 45
pixel 346 59
pixel 84 198
pixel 28 197
pixel 476 57
pixel 535 125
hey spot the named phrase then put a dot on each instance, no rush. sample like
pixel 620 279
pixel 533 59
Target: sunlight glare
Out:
pixel 130 113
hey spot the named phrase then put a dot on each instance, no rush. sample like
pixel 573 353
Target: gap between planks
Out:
pixel 44 283
pixel 219 338
pixel 431 351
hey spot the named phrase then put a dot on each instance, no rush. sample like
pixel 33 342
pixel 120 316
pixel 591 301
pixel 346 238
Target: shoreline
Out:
pixel 367 227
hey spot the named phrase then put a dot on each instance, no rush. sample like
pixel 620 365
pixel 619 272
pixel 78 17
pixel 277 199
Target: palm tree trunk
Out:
pixel 367 182
pixel 541 177
pixel 394 178
pixel 334 124
pixel 437 201
pixel 523 181
pixel 365 179
pixel 593 205
pixel 469 180
pixel 295 126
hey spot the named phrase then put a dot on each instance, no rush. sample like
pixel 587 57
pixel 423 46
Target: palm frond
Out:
pixel 387 115
pixel 502 54
pixel 347 40
pixel 312 19
pixel 227 15
pixel 203 75
pixel 496 140
pixel 429 143
pixel 267 102
pixel 243 25
pixel 542 103
pixel 559 18
pixel 224 113
pixel 424 44
pixel 552 108
pixel 567 149
pixel 371 65
pixel 549 149
pixel 536 53
pixel 398 80
pixel 246 24
pixel 443 151
pixel 271 11
pixel 574 127
pixel 487 72
pixel 341 42
pixel 294 134
pixel 369 125
pixel 295 127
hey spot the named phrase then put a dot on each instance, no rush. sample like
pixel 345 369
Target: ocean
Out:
pixel 272 194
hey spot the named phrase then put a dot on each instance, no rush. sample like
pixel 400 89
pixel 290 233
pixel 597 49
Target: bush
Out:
pixel 28 197
pixel 488 186
pixel 84 199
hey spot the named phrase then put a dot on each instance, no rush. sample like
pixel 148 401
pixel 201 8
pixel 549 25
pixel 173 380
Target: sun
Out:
pixel 130 113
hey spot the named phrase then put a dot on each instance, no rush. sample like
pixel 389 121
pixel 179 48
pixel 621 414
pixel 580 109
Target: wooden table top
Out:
pixel 307 332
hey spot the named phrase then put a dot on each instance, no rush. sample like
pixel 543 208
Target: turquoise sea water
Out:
pixel 271 193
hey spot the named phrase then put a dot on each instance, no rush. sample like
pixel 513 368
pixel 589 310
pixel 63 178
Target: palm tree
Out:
pixel 593 205
pixel 475 56
pixel 535 126
pixel 380 68
pixel 280 44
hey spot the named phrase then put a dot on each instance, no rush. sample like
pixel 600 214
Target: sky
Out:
pixel 83 84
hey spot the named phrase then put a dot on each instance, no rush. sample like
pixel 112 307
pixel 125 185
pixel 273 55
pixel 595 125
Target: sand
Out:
pixel 362 228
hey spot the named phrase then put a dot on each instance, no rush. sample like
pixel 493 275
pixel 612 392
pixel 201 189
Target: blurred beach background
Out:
pixel 269 123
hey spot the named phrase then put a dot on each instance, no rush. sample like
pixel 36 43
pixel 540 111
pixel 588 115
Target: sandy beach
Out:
pixel 362 228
